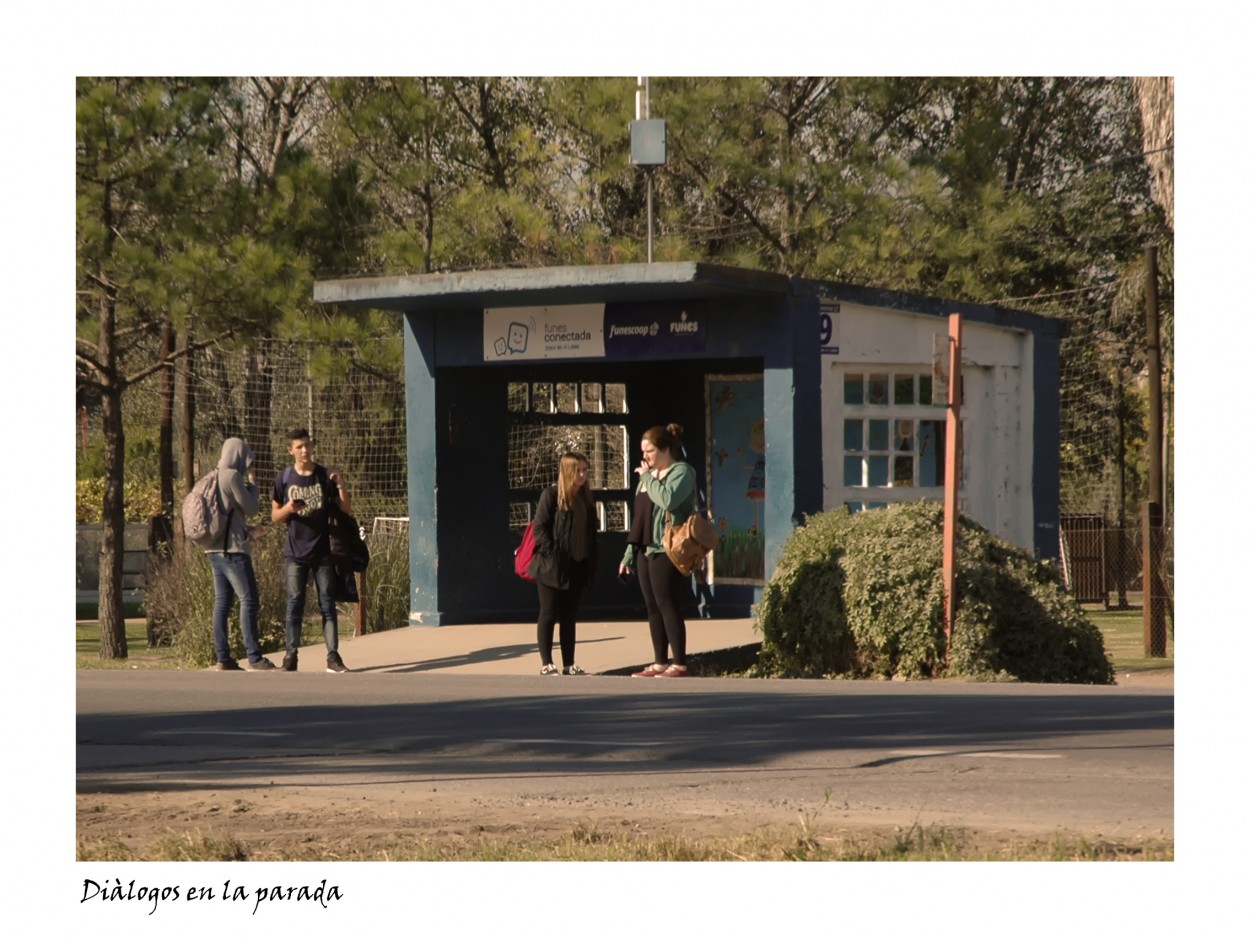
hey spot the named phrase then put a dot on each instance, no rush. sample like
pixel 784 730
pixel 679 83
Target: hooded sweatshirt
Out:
pixel 237 492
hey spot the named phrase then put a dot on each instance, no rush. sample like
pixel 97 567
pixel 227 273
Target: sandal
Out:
pixel 651 670
pixel 674 670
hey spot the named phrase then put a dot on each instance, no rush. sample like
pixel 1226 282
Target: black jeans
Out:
pixel 661 590
pixel 556 605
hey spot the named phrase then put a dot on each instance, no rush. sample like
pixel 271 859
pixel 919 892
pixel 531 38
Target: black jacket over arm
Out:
pixel 553 535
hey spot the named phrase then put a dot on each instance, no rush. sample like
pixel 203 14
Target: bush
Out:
pixel 179 602
pixel 861 596
pixel 387 582
pixel 142 498
pixel 179 598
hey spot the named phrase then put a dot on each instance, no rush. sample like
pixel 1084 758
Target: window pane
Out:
pixel 904 435
pixel 566 398
pixel 852 470
pixel 903 471
pixel 879 470
pixel 926 389
pixel 542 402
pixel 614 399
pixel 853 389
pixel 931 451
pixel 879 389
pixel 879 435
pixel 614 515
pixel 853 435
pixel 904 389
pixel 518 397
pixel 853 507
pixel 534 452
pixel 519 514
pixel 592 398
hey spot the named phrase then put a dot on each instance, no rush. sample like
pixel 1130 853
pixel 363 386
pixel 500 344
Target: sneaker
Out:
pixel 290 663
pixel 674 670
pixel 228 665
pixel 264 664
pixel 334 664
pixel 651 670
pixel 574 669
pixel 548 670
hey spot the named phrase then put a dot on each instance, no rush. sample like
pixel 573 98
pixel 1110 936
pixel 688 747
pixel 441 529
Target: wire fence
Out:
pixel 354 411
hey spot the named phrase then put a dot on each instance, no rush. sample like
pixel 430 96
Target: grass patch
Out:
pixel 1123 636
pixel 588 843
pixel 193 845
pixel 141 655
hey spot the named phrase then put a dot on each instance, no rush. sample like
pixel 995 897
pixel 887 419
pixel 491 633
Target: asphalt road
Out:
pixel 1024 757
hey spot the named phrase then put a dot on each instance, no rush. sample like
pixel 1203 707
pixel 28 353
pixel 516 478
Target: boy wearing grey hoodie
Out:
pixel 233 574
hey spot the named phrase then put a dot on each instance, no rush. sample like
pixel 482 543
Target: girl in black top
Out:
pixel 565 553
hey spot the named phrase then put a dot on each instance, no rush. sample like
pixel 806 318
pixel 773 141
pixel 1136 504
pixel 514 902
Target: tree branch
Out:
pixel 170 359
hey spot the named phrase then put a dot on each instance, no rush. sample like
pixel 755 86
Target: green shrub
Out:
pixel 141 496
pixel 387 582
pixel 179 598
pixel 860 595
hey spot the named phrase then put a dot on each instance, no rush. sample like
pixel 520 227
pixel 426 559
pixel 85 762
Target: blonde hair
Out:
pixel 568 474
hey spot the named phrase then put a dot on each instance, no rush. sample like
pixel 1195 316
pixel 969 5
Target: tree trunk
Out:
pixel 1155 101
pixel 112 619
pixel 167 421
pixel 188 412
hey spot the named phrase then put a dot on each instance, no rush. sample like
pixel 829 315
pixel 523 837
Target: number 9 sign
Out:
pixel 829 329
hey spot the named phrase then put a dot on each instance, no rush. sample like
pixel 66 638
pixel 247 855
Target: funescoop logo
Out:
pixel 643 330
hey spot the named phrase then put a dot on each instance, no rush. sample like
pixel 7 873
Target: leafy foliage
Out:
pixel 142 498
pixel 860 595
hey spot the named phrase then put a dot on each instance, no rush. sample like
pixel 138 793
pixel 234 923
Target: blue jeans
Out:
pixel 296 587
pixel 233 576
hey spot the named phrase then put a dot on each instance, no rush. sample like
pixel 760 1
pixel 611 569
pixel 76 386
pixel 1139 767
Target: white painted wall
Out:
pixel 997 484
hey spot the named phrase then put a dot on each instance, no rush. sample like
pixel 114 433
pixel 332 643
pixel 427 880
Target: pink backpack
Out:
pixel 525 553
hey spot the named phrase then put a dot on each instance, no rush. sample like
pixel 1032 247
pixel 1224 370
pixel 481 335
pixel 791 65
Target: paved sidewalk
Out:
pixel 512 648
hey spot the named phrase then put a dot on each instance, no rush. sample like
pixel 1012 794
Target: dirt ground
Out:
pixel 308 825
pixel 307 819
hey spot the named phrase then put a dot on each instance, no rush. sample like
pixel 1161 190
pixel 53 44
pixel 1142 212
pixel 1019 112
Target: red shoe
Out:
pixel 674 670
pixel 651 670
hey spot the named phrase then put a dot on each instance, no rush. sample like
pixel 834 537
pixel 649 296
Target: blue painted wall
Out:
pixel 461 545
pixel 462 565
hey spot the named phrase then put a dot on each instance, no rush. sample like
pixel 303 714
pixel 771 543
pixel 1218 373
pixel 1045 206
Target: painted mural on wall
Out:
pixel 736 473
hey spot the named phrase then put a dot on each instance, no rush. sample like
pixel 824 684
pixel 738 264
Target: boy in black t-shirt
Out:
pixel 301 496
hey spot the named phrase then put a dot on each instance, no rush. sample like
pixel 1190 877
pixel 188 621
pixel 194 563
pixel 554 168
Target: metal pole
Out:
pixel 951 515
pixel 645 114
pixel 649 222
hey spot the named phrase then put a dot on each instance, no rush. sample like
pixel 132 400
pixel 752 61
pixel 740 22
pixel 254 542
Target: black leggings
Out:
pixel 661 590
pixel 556 605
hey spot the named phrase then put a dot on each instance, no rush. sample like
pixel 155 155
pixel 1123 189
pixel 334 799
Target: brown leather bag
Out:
pixel 688 544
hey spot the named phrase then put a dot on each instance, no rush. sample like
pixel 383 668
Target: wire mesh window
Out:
pixel 553 418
